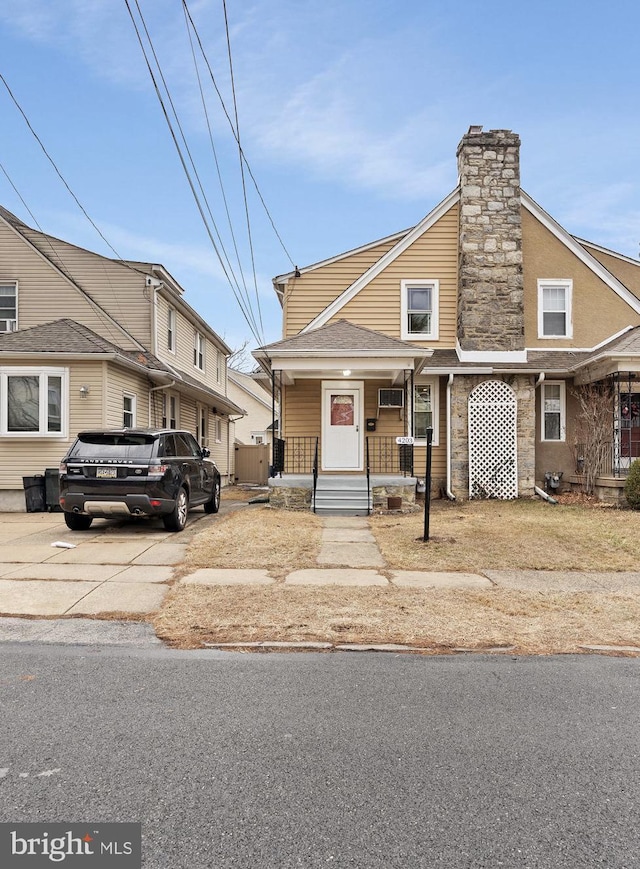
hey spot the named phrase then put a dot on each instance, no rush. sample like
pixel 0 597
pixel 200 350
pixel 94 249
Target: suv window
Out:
pixel 186 445
pixel 123 446
pixel 168 448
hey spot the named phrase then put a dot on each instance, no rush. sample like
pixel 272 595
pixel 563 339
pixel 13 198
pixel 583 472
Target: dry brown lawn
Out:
pixel 467 537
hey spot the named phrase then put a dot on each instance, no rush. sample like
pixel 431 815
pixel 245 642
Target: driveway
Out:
pixel 119 567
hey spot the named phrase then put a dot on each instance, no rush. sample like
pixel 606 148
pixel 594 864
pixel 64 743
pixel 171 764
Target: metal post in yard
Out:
pixel 427 482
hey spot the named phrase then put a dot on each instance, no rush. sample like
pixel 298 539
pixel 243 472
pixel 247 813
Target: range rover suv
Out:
pixel 126 473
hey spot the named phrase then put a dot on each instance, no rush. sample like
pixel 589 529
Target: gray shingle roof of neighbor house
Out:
pixel 66 337
pixel 343 335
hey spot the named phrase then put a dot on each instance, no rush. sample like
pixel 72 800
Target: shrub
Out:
pixel 632 486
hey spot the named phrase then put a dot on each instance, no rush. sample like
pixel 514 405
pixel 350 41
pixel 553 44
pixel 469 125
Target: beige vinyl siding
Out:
pixel 433 256
pixel 598 312
pixel 308 295
pixel 44 295
pixel 302 418
pixel 119 382
pixel 116 287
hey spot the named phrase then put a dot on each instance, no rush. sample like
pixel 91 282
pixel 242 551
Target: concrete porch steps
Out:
pixel 342 496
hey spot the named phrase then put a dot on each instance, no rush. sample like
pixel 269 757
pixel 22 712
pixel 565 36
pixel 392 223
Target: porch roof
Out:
pixel 340 346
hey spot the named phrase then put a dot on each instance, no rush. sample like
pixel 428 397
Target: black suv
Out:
pixel 137 472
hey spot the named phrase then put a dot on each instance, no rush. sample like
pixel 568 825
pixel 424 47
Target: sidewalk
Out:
pixel 126 568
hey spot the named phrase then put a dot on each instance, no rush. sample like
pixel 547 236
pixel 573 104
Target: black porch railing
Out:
pixel 615 460
pixel 295 455
pixel 385 456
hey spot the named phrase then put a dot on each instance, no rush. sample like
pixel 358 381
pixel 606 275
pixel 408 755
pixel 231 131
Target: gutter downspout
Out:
pixel 155 389
pixel 448 491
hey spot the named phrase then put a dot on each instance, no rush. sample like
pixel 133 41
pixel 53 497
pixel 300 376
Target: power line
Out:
pixel 233 130
pixel 241 161
pixel 246 313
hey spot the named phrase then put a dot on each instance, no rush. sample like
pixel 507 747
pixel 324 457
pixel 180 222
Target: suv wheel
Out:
pixel 78 521
pixel 213 504
pixel 177 519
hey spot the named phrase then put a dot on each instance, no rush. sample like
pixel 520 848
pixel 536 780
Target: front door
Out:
pixel 341 426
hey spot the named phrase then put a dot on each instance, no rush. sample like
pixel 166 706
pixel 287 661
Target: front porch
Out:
pixel 345 495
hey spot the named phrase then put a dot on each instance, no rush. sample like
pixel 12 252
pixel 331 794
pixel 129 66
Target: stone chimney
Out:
pixel 490 291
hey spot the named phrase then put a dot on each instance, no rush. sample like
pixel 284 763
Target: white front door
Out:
pixel 342 429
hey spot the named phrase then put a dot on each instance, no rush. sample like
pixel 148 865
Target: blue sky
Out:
pixel 350 115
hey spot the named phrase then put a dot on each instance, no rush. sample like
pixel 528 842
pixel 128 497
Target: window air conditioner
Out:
pixel 8 325
pixel 391 398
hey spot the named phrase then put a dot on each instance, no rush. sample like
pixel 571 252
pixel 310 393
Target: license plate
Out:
pixel 107 473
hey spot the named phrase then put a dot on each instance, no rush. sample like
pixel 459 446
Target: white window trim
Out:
pixel 133 411
pixel 563 411
pixel 217 429
pixel 63 373
pixel 434 383
pixel 567 285
pixel 172 325
pixel 15 321
pixel 421 283
pixel 199 346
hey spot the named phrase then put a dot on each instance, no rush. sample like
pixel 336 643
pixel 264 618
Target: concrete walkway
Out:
pixel 48 570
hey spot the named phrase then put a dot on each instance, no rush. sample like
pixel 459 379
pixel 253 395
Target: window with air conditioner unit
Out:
pixel 391 398
pixel 8 307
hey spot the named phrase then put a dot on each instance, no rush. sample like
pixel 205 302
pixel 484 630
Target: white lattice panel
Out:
pixel 493 459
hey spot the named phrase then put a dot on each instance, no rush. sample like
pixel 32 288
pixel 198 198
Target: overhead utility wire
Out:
pixel 191 160
pixel 233 130
pixel 213 148
pixel 58 173
pixel 188 176
pixel 241 161
pixel 58 260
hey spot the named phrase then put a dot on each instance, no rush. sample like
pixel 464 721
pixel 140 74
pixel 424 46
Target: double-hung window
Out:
pixel 171 330
pixel 425 410
pixel 553 411
pixel 8 307
pixel 554 308
pixel 33 402
pixel 198 350
pixel 419 306
pixel 128 410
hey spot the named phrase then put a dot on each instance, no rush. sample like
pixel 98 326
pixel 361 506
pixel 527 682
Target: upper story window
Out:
pixel 8 307
pixel 198 350
pixel 419 304
pixel 33 402
pixel 553 410
pixel 171 330
pixel 554 308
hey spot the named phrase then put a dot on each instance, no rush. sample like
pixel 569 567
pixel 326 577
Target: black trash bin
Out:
pixel 52 489
pixel 34 493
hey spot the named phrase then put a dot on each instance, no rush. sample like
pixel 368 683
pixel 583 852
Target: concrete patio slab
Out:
pixel 350 555
pixel 318 576
pixel 9 567
pixel 24 553
pixel 212 576
pixel 143 573
pixel 162 553
pixel 347 535
pixel 99 552
pixel 41 597
pixel 129 597
pixel 438 579
pixel 65 572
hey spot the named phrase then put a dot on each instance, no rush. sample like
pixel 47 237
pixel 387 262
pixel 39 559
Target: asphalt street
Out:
pixel 375 761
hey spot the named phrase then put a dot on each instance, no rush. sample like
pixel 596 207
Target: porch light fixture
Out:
pixel 84 391
pixel 346 372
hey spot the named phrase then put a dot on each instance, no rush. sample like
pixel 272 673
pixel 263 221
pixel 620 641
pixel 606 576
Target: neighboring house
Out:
pixel 481 323
pixel 90 342
pixel 256 426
